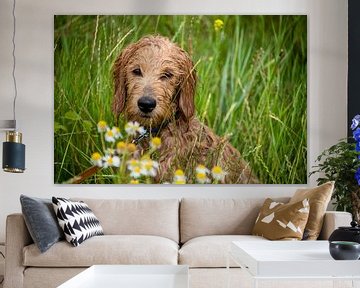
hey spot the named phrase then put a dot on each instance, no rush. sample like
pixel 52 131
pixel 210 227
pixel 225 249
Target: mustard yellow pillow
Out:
pixel 279 221
pixel 319 198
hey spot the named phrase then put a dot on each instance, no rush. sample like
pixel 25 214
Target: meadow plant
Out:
pixel 127 166
pixel 341 163
pixel 119 154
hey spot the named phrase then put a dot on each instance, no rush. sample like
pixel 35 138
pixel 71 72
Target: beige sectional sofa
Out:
pixel 194 232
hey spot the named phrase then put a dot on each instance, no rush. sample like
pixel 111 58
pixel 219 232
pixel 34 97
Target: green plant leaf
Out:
pixel 87 125
pixel 58 127
pixel 71 115
pixel 339 163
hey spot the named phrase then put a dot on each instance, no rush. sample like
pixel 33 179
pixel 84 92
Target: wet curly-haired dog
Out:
pixel 155 84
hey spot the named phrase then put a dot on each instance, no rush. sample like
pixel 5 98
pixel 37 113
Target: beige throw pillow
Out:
pixel 319 198
pixel 279 221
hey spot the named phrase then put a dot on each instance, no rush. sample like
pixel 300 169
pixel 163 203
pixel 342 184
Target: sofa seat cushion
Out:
pixel 211 251
pixel 107 249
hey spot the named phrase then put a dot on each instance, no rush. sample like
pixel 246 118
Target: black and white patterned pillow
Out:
pixel 77 220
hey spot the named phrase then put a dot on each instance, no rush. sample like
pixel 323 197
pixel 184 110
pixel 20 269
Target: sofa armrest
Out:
pixel 17 237
pixel 333 220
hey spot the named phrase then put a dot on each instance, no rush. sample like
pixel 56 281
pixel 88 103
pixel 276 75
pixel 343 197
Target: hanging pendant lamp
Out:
pixel 13 149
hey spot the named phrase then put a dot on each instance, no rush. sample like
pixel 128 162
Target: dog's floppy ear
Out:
pixel 187 88
pixel 119 77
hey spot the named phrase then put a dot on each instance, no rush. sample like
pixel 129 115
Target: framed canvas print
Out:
pixel 180 99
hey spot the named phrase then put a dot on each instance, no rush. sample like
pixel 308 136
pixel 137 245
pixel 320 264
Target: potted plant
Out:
pixel 341 163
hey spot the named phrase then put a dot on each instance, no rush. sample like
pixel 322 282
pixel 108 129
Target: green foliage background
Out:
pixel 252 85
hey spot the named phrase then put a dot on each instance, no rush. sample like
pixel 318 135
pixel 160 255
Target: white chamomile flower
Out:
pixel 102 126
pixel 135 172
pixel 179 177
pixel 141 130
pixel 116 132
pixel 202 178
pixel 116 161
pixel 218 173
pixel 202 169
pixel 132 164
pixel 149 167
pixel 132 127
pixel 109 136
pixel 201 174
pixel 96 159
pixel 111 161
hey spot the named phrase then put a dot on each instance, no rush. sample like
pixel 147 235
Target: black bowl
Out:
pixel 344 250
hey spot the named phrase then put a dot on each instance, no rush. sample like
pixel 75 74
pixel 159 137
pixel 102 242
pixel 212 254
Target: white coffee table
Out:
pixel 296 260
pixel 131 276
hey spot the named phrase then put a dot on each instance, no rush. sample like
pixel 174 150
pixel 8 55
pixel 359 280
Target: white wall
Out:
pixel 326 102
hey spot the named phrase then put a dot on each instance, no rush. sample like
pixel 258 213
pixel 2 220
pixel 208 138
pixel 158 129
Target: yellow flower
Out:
pixel 155 143
pixel 202 178
pixel 218 24
pixel 179 173
pixel 102 126
pixel 135 172
pixel 96 156
pixel 121 147
pixel 201 174
pixel 149 167
pixel 218 173
pixel 109 136
pixel 179 177
pixel 96 159
pixel 131 147
pixel 132 164
pixel 134 181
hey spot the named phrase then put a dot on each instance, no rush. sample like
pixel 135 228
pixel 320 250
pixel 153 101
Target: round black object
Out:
pixel 146 104
pixel 351 233
pixel 342 250
pixel 13 157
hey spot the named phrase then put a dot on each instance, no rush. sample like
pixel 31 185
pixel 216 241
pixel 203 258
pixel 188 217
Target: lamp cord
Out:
pixel 14 60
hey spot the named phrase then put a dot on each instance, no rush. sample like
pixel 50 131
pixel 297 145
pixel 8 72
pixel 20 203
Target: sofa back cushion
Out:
pixel 201 217
pixel 158 217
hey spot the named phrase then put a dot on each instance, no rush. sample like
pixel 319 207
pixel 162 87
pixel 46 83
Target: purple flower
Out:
pixel 357 176
pixel 357 147
pixel 355 122
pixel 356 134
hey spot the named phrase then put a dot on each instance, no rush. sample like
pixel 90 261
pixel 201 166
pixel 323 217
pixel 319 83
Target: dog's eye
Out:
pixel 137 72
pixel 166 76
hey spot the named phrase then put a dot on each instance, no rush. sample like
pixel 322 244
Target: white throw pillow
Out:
pixel 77 220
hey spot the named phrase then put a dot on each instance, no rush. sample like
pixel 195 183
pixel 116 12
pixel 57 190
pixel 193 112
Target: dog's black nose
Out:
pixel 146 104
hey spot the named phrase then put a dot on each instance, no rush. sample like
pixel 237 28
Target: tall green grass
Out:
pixel 252 85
